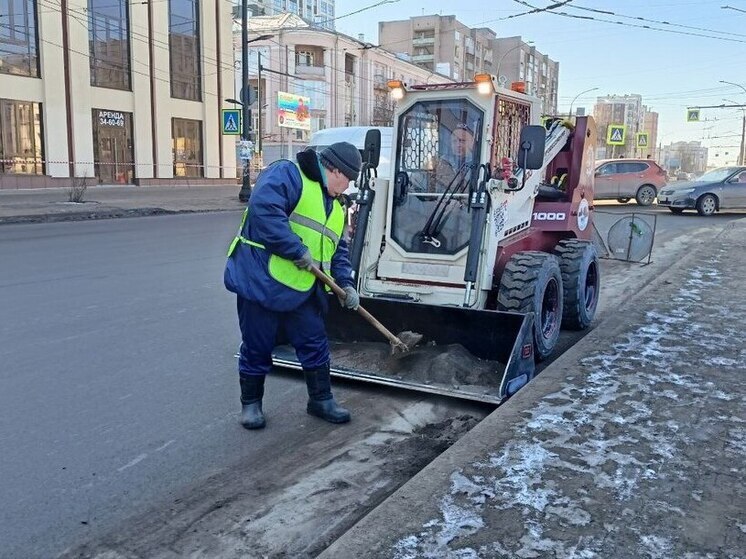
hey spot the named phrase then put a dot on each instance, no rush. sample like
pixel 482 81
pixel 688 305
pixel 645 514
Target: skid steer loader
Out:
pixel 480 242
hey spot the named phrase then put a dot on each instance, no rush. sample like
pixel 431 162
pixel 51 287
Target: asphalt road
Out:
pixel 118 386
pixel 118 389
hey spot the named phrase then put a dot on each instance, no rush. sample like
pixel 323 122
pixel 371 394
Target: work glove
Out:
pixel 352 299
pixel 305 262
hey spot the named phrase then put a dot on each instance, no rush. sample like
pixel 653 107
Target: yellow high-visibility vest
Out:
pixel 318 232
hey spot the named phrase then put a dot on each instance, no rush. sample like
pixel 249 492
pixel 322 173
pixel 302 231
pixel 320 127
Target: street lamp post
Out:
pixel 576 98
pixel 742 151
pixel 506 53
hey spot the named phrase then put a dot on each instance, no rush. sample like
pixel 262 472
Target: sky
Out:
pixel 670 70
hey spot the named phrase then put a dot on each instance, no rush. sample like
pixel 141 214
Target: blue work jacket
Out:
pixel 274 197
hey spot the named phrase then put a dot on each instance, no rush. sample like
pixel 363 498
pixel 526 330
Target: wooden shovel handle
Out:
pixel 339 292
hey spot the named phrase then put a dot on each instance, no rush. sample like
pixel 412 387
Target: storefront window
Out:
pixel 187 148
pixel 109 43
pixel 113 146
pixel 183 40
pixel 20 138
pixel 18 38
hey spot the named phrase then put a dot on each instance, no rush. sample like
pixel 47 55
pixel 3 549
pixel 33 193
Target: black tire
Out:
pixel 707 205
pixel 581 282
pixel 622 200
pixel 532 284
pixel 646 195
pixel 676 211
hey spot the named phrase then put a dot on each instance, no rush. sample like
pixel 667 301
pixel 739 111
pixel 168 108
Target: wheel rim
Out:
pixel 549 307
pixel 708 204
pixel 591 281
pixel 646 195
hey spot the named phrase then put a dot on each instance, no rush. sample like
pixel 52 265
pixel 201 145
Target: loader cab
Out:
pixel 439 145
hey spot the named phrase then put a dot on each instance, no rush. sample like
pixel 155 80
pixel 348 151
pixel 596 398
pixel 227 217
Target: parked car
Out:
pixel 719 189
pixel 624 179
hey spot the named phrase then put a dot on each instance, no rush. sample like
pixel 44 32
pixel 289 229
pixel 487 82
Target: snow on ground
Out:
pixel 620 431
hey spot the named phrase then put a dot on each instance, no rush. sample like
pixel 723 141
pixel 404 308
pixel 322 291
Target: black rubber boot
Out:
pixel 321 403
pixel 252 392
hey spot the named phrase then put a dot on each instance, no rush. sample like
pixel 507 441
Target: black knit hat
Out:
pixel 345 157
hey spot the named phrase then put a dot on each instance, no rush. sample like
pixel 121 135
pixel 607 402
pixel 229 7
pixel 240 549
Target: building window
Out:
pixel 304 58
pixel 20 138
pixel 183 40
pixel 187 147
pixel 109 43
pixel 317 91
pixel 19 47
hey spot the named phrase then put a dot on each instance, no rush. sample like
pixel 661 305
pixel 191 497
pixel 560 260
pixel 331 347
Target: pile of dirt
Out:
pixel 448 365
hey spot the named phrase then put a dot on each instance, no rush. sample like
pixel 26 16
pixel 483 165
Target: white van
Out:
pixel 356 136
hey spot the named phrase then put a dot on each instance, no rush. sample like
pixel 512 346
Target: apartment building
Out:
pixel 344 78
pixel 619 109
pixel 440 44
pixel 114 92
pixel 317 12
pixel 445 45
pixel 519 61
pixel 689 157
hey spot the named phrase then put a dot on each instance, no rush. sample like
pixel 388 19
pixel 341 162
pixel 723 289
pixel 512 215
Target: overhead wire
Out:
pixel 658 22
pixel 633 25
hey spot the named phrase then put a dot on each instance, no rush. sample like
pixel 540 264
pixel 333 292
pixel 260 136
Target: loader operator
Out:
pixel 461 155
pixel 293 221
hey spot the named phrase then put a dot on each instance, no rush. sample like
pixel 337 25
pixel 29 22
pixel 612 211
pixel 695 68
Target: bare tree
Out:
pixel 76 192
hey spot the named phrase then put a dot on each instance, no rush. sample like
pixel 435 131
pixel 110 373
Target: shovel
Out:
pixel 397 345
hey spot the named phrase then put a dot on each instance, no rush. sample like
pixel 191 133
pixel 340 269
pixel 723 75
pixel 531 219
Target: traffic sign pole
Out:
pixel 245 192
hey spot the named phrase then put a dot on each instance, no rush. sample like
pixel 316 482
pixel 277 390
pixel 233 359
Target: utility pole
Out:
pixel 259 107
pixel 245 191
pixel 742 153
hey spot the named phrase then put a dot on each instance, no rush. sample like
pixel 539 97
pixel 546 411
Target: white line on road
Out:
pixel 133 462
pixel 163 446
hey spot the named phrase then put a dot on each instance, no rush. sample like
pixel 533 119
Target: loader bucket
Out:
pixel 470 354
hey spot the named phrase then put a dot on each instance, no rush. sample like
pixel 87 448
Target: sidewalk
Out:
pixel 51 204
pixel 632 444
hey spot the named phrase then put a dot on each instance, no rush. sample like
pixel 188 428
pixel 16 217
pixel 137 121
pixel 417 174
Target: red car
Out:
pixel 624 179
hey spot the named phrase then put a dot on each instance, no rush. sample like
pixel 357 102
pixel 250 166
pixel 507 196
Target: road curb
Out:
pixel 100 215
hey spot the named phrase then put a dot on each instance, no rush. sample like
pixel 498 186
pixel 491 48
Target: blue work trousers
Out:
pixel 261 329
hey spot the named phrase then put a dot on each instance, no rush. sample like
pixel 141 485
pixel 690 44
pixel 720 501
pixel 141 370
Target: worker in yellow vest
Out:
pixel 294 220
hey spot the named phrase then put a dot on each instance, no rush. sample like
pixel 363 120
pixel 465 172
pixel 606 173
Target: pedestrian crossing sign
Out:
pixel 692 115
pixel 642 140
pixel 231 122
pixel 615 134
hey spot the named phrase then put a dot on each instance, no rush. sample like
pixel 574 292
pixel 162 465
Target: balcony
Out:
pixel 309 70
pixel 423 58
pixel 423 42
